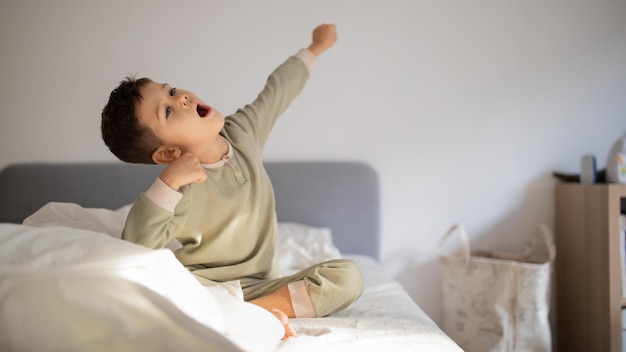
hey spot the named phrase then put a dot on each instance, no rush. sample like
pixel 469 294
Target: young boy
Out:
pixel 214 196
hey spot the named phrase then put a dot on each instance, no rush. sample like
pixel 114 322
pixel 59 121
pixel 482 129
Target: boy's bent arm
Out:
pixel 151 220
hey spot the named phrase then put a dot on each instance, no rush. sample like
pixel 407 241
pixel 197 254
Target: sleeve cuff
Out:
pixel 300 300
pixel 307 57
pixel 163 195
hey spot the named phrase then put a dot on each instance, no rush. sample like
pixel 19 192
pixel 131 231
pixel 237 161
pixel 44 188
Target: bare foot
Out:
pixel 282 317
pixel 279 299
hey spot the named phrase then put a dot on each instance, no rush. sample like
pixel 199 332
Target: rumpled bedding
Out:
pixel 68 283
pixel 64 289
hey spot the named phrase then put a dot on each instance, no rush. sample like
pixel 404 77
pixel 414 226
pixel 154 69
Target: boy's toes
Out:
pixel 289 331
pixel 284 319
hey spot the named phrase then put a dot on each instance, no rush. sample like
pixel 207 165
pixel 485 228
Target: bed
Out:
pixel 67 283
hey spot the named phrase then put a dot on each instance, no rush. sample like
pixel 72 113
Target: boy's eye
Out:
pixel 168 110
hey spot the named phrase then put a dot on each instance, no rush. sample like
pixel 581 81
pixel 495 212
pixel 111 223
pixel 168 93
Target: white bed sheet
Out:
pixel 384 318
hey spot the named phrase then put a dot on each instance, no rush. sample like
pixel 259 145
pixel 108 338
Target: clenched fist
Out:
pixel 324 37
pixel 182 171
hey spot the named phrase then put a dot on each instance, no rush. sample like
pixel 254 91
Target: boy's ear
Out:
pixel 166 154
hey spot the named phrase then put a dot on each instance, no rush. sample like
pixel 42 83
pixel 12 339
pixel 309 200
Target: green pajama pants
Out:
pixel 332 285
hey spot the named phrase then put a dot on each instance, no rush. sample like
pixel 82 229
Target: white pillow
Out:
pixel 299 246
pixel 73 215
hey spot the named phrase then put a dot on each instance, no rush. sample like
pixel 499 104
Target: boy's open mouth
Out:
pixel 202 110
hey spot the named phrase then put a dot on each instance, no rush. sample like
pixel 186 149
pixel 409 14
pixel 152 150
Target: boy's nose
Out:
pixel 184 100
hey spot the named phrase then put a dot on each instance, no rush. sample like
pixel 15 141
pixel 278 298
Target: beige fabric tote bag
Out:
pixel 498 301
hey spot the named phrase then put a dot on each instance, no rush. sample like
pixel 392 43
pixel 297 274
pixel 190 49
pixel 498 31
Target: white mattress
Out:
pixel 384 318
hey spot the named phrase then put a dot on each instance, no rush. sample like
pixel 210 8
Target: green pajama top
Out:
pixel 227 224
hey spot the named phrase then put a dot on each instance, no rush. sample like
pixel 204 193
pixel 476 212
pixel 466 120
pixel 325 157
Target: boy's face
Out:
pixel 178 118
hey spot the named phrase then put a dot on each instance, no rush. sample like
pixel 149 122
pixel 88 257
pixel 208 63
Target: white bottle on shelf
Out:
pixel 616 163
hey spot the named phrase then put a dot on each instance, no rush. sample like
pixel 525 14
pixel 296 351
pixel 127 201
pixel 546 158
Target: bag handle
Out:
pixel 465 247
pixel 542 232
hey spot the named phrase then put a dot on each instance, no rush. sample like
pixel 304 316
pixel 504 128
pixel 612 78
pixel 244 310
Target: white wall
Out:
pixel 463 107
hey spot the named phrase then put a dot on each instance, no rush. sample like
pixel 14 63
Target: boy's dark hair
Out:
pixel 121 130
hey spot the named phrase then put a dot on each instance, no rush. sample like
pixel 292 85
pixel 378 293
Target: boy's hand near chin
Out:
pixel 324 37
pixel 184 170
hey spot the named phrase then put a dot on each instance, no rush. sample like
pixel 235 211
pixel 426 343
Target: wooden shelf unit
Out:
pixel 587 269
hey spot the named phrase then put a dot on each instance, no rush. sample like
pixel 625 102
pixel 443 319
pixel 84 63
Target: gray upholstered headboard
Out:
pixel 343 196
